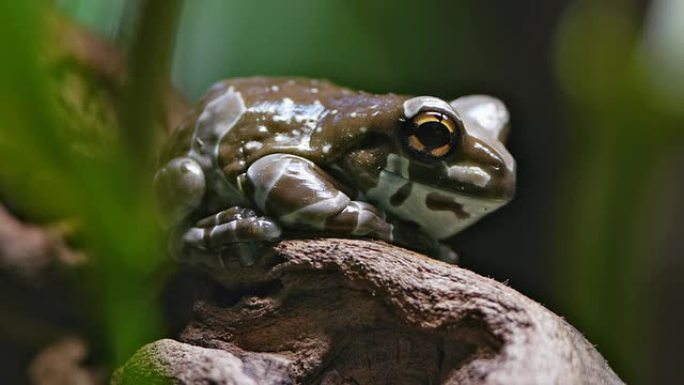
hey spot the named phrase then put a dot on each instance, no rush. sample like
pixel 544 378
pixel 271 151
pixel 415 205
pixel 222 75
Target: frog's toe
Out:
pixel 229 239
pixel 360 219
pixel 225 216
pixel 250 229
pixel 446 254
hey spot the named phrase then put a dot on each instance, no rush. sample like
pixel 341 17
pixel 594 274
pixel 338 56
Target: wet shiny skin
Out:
pixel 259 156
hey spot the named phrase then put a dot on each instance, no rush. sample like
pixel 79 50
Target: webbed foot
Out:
pixel 445 253
pixel 231 238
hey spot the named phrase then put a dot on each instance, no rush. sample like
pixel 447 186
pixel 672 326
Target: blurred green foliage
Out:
pixel 105 17
pixel 624 133
pixel 107 193
pixel 371 45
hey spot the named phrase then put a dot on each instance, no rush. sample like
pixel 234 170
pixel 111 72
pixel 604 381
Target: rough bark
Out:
pixel 340 311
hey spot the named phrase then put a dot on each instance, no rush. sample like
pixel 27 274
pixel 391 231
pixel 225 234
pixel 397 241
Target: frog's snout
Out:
pixel 179 186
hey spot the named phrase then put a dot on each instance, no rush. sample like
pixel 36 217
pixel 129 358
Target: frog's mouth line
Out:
pixel 399 167
pixel 460 193
pixel 439 212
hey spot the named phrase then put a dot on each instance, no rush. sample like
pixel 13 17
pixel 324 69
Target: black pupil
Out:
pixel 433 134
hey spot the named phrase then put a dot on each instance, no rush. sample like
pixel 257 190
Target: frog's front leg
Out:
pixel 301 195
pixel 236 232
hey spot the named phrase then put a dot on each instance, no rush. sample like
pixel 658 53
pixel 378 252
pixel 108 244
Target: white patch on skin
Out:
pixel 438 224
pixel 194 236
pixel 253 145
pixel 263 187
pixel 275 88
pixel 262 129
pixel 489 113
pixel 215 122
pixel 307 115
pixel 485 149
pixel 217 218
pixel 352 115
pixel 326 148
pixel 490 116
pixel 269 230
pixel 305 144
pixel 285 111
pixel 367 221
pixel 363 129
pixel 483 118
pixel 398 165
pixel 414 105
pixel 501 152
pixel 363 217
pixel 223 229
pixel 292 141
pixel 318 210
pixel 470 174
pixel 356 209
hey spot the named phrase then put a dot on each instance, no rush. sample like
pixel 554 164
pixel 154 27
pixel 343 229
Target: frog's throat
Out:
pixel 439 213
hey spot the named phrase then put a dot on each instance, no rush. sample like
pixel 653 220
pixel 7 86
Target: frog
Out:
pixel 259 158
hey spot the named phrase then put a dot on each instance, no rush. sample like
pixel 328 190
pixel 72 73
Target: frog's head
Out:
pixel 442 165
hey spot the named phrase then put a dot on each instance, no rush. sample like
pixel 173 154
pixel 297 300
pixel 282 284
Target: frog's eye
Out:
pixel 430 135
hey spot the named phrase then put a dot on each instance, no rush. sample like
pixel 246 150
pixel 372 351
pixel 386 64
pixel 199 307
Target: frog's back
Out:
pixel 263 97
pixel 313 119
pixel 260 89
pixel 179 142
pixel 242 120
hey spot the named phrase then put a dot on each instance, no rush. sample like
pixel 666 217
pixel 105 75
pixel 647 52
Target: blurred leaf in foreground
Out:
pixel 106 188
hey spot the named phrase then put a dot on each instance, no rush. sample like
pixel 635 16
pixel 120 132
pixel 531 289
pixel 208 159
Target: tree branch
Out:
pixel 340 311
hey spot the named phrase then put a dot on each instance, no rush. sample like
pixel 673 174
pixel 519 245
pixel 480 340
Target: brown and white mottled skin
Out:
pixel 262 155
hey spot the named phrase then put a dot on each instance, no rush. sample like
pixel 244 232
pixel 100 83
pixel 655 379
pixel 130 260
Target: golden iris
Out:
pixel 433 134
